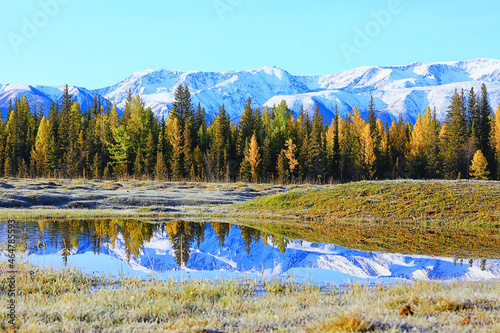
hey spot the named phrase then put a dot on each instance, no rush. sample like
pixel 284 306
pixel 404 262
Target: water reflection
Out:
pixel 142 248
pixel 68 235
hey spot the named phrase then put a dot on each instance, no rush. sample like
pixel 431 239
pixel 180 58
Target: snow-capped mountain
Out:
pixel 43 95
pixel 406 90
pixel 319 263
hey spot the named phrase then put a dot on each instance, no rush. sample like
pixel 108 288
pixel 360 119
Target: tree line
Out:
pixel 264 145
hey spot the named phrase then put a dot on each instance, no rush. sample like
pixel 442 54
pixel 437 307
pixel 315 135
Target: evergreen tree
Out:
pixel 455 138
pixel 315 169
pixel 372 118
pixel 473 114
pixel 484 128
pixel 160 165
pixel 182 108
pixel 245 126
pixel 177 147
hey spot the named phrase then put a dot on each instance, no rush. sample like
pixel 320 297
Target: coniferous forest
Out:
pixel 263 146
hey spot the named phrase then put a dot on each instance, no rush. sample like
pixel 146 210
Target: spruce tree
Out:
pixel 484 127
pixel 455 138
pixel 372 118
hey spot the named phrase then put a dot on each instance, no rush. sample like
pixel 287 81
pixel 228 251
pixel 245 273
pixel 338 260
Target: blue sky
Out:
pixel 95 43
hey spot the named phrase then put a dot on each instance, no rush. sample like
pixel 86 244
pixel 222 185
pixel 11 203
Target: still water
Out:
pixel 211 250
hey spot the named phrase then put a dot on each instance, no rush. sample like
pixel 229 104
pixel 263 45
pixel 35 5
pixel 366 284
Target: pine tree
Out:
pixel 119 151
pixel 282 168
pixel 473 113
pixel 245 169
pixel 246 126
pixel 160 166
pixel 127 112
pixel 315 145
pixel 177 146
pixel 182 108
pixel 479 167
pixel 96 167
pixel 455 138
pixel 484 128
pixel 199 162
pixel 151 155
pixel 187 151
pixel 372 118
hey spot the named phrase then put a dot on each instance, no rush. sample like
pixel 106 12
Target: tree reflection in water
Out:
pixel 101 234
pixel 104 233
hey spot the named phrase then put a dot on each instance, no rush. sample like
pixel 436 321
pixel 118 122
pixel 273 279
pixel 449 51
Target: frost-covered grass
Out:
pixel 80 198
pixel 458 219
pixel 467 203
pixel 67 301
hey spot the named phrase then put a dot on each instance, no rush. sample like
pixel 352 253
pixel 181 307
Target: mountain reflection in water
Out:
pixel 144 248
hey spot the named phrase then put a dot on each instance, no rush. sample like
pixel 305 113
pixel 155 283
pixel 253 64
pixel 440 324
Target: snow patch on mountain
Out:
pixel 406 89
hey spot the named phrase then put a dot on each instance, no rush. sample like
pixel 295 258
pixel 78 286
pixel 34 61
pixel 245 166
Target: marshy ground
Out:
pixel 66 301
pixel 445 218
pixel 24 198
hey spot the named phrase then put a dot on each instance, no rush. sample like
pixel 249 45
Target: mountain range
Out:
pixel 405 90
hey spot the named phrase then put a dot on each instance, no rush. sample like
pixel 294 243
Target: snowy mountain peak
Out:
pixel 406 89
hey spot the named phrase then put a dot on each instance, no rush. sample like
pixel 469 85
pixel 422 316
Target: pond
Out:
pixel 212 250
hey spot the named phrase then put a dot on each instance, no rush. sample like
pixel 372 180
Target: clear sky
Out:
pixel 95 43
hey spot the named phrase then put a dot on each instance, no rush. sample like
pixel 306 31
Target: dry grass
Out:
pixel 458 202
pixel 67 301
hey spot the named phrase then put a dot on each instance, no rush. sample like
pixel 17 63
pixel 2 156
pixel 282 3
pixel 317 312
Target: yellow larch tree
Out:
pixel 368 153
pixel 253 157
pixel 496 140
pixel 479 167
pixel 290 155
pixel 40 154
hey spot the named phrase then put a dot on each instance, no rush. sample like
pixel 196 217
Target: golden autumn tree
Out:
pixel 253 157
pixel 290 152
pixel 479 167
pixel 368 152
pixel 39 153
pixel 496 140
pixel 416 155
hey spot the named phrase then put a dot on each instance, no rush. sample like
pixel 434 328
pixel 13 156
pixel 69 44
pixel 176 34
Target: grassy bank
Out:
pixel 468 203
pixel 458 219
pixel 67 301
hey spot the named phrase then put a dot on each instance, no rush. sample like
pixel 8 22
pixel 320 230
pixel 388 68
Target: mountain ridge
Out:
pixel 405 89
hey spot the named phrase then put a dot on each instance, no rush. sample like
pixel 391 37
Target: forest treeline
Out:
pixel 264 145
